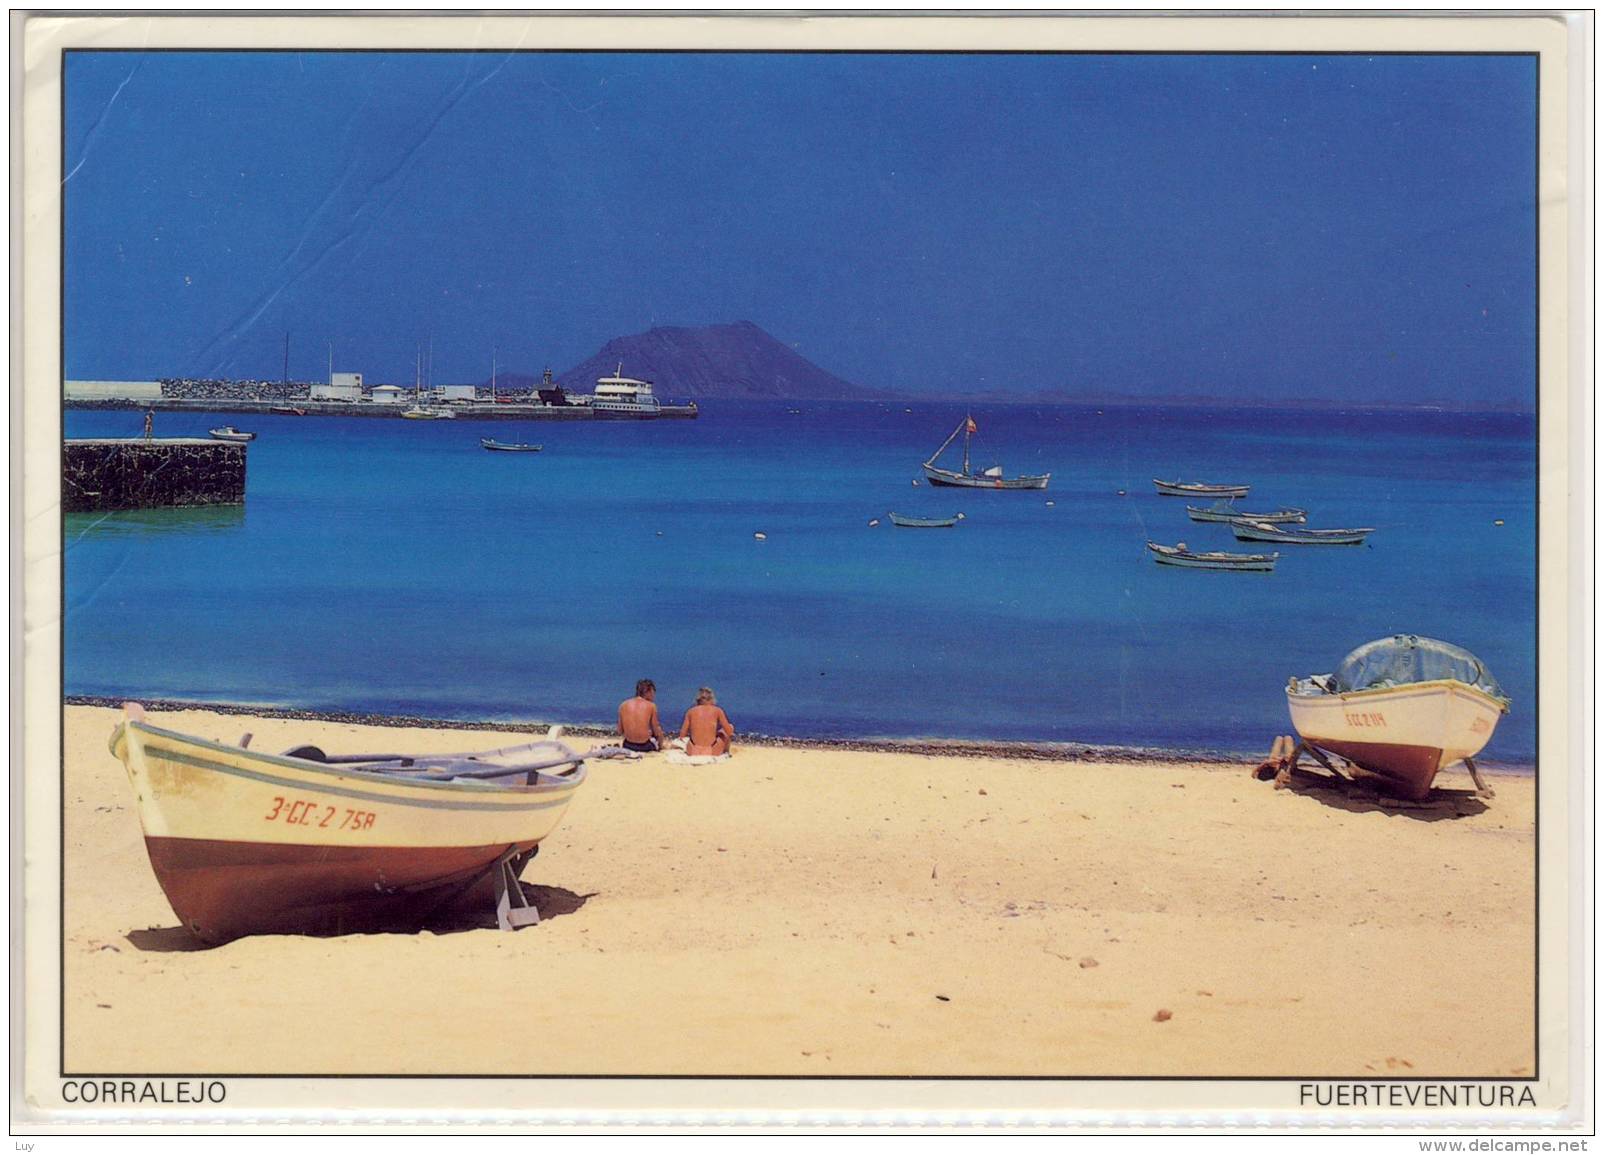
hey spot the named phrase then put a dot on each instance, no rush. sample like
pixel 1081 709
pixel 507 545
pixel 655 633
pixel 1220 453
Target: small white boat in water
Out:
pixel 967 478
pixel 1198 489
pixel 1402 708
pixel 1227 511
pixel 229 433
pixel 1179 555
pixel 1296 534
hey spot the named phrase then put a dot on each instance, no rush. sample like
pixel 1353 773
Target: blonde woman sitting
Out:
pixel 707 727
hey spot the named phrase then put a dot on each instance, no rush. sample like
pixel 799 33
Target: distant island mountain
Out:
pixel 736 360
pixel 741 360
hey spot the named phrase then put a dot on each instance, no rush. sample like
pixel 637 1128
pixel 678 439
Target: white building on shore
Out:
pixel 341 387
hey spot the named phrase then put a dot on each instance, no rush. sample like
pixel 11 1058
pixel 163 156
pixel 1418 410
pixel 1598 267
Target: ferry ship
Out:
pixel 620 396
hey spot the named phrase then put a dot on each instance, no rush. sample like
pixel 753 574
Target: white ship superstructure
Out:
pixel 624 396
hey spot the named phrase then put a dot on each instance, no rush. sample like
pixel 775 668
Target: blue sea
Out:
pixel 396 567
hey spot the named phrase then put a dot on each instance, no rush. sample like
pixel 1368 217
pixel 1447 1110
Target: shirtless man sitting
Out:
pixel 637 719
pixel 707 726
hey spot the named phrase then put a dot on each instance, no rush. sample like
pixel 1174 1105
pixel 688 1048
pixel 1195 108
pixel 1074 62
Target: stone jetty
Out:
pixel 106 473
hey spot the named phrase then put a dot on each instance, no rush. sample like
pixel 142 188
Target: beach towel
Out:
pixel 680 758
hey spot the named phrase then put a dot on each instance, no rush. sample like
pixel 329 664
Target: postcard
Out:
pixel 821 571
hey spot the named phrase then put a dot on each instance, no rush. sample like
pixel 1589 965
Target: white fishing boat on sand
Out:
pixel 244 842
pixel 1402 708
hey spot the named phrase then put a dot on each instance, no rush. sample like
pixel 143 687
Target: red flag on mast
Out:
pixel 971 427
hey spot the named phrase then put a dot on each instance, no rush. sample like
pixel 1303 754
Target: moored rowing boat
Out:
pixel 1296 535
pixel 1198 489
pixel 1225 511
pixel 924 522
pixel 1179 555
pixel 508 446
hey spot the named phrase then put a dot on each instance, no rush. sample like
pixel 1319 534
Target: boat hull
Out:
pixel 1268 533
pixel 223 890
pixel 922 522
pixel 1279 517
pixel 1197 489
pixel 1242 563
pixel 505 447
pixel 246 843
pixel 1402 734
pixel 976 481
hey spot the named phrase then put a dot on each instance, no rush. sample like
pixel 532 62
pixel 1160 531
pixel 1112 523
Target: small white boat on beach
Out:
pixel 244 842
pixel 229 433
pixel 1402 708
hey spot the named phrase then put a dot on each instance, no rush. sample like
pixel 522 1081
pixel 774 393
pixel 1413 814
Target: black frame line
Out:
pixel 1537 59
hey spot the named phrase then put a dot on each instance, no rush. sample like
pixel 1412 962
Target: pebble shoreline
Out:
pixel 942 747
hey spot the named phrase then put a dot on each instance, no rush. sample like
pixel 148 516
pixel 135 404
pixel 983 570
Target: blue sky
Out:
pixel 1255 226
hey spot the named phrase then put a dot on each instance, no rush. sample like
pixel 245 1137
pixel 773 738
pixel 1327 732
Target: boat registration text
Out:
pixel 305 812
pixel 1365 718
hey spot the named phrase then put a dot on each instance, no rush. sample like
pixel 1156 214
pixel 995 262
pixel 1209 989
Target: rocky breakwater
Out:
pixel 132 473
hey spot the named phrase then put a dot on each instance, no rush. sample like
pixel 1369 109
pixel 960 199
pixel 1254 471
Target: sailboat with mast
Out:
pixel 419 411
pixel 991 478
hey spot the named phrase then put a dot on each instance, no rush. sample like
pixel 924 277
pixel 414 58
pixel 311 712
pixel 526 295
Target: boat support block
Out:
pixel 513 910
pixel 1283 779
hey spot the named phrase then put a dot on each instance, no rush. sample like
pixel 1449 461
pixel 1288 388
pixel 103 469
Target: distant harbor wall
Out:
pixel 132 473
pixel 474 412
pixel 112 390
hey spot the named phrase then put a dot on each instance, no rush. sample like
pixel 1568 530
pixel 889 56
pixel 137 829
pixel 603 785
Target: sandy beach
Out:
pixel 820 912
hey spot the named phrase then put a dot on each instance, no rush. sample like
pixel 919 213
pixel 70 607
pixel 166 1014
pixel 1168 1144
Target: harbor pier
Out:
pixel 106 473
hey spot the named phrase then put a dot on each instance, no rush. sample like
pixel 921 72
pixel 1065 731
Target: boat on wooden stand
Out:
pixel 244 842
pixel 1402 708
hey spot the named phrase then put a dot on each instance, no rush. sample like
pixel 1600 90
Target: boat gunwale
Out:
pixel 1229 516
pixel 1432 684
pixel 1206 488
pixel 1271 528
pixel 552 784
